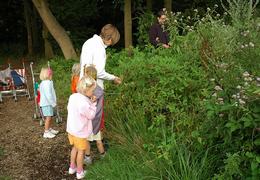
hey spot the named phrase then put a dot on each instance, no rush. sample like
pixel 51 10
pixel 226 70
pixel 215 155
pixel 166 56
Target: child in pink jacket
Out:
pixel 81 112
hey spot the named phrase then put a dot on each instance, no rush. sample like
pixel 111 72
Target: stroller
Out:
pixel 38 113
pixel 13 83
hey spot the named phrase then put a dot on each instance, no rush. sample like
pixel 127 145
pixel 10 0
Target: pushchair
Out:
pixel 38 113
pixel 13 83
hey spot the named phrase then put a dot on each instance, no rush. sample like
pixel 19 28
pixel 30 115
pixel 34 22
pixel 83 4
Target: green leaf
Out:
pixel 257 142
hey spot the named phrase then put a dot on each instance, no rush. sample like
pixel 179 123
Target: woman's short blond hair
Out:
pixel 84 84
pixel 90 71
pixel 76 69
pixel 110 32
pixel 45 74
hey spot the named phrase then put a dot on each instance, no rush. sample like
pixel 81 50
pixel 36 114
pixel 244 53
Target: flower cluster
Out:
pixel 248 80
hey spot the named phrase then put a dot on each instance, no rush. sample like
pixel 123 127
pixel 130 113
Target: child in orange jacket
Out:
pixel 75 77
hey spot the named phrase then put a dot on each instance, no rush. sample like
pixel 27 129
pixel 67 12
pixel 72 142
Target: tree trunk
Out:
pixel 36 31
pixel 56 30
pixel 128 24
pixel 168 5
pixel 149 5
pixel 48 51
pixel 27 16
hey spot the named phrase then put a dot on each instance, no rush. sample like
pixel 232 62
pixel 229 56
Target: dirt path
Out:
pixel 25 153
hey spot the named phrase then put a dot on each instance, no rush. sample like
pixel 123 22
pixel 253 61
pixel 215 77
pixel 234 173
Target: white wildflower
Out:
pixel 175 21
pixel 246 45
pixel 242 46
pixel 258 78
pixel 208 9
pixel 225 13
pixel 239 87
pixel 215 5
pixel 241 102
pixel 220 99
pixel 214 95
pixel 246 74
pixel 251 44
pixel 195 10
pixel 212 79
pixel 248 79
pixel 218 15
pixel 221 115
pixel 188 17
pixel 246 84
pixel 244 97
pixel 234 96
pixel 218 88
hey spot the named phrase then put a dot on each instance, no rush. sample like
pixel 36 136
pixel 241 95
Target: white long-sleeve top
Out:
pixel 94 52
pixel 47 93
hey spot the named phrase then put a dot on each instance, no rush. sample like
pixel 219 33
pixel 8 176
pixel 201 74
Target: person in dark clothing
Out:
pixel 158 36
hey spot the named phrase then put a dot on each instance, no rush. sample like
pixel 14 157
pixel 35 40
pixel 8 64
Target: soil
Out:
pixel 24 153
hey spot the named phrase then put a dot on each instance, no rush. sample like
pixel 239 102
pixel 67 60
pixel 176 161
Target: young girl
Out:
pixel 47 101
pixel 90 71
pixel 75 77
pixel 81 111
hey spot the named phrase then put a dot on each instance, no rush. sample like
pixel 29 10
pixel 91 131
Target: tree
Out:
pixel 27 16
pixel 168 5
pixel 149 5
pixel 56 30
pixel 128 24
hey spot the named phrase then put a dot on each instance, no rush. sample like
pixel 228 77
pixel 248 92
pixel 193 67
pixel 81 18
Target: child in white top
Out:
pixel 81 112
pixel 47 101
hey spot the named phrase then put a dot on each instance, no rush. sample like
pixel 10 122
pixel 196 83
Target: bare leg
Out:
pixel 47 123
pixel 100 146
pixel 73 155
pixel 80 159
pixel 87 152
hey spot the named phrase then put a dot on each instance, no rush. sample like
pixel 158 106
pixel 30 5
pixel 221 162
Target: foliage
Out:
pixel 145 21
pixel 188 112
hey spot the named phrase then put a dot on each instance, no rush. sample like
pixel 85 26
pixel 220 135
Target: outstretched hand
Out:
pixel 117 80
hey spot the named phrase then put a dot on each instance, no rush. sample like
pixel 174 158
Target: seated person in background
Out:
pixel 158 36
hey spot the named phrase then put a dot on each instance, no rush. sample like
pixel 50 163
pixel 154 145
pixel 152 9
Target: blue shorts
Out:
pixel 47 111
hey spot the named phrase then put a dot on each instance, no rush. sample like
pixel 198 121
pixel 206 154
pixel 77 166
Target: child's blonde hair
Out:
pixel 46 73
pixel 110 32
pixel 90 71
pixel 76 69
pixel 84 84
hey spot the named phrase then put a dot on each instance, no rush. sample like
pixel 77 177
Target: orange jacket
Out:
pixel 74 82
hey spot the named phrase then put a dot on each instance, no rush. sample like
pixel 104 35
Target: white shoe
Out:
pixel 88 160
pixel 72 171
pixel 55 132
pixel 81 175
pixel 48 135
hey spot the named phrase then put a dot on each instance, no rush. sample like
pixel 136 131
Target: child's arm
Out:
pixel 88 110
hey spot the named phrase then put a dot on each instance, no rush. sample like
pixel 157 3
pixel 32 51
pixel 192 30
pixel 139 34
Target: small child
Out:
pixel 90 71
pixel 81 112
pixel 47 101
pixel 75 77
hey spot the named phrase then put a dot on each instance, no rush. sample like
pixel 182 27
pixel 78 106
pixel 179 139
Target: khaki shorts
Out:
pixel 95 137
pixel 79 143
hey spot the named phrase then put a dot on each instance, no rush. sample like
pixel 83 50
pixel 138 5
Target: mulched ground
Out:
pixel 25 154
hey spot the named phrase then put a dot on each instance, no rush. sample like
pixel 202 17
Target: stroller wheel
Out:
pixel 57 120
pixel 34 116
pixel 41 122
